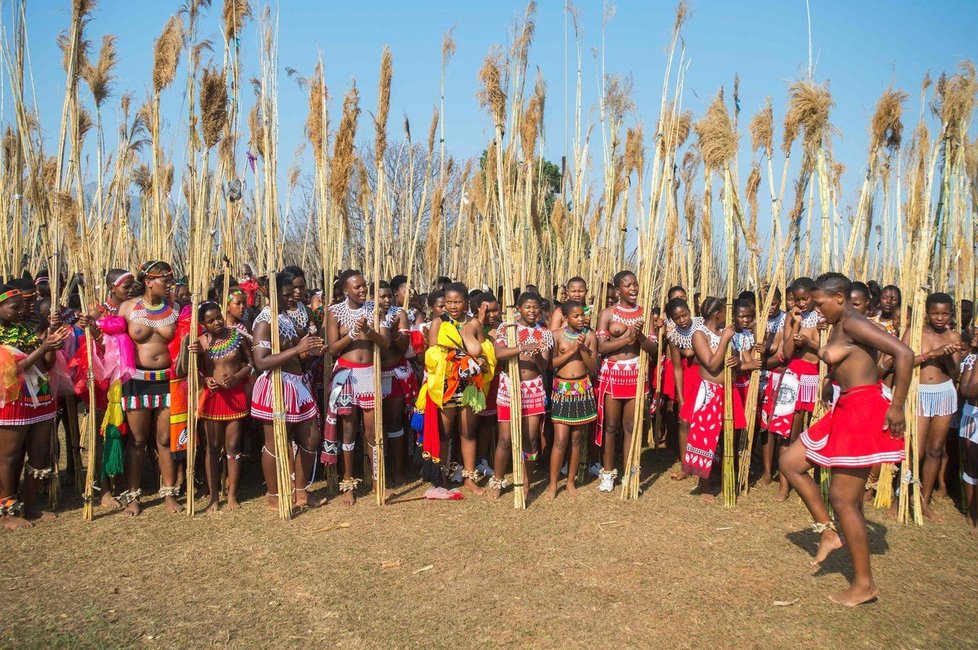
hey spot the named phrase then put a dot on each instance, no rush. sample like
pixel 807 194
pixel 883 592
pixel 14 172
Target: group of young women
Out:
pixel 448 387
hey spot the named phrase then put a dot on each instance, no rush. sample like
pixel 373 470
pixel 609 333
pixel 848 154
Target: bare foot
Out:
pixel 571 489
pixel 765 480
pixel 828 542
pixel 782 494
pixel 974 532
pixel 473 487
pixel 213 508
pixel 928 512
pixel 273 502
pixel 940 492
pixel 891 512
pixel 493 493
pixel 40 515
pixel 707 497
pixel 172 505
pixel 132 510
pixel 551 492
pixel 348 498
pixel 109 501
pixel 304 499
pixel 869 495
pixel 233 503
pixel 679 476
pixel 854 596
pixel 13 523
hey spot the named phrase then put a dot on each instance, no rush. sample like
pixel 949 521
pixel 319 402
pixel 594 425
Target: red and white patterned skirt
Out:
pixel 296 396
pixel 533 397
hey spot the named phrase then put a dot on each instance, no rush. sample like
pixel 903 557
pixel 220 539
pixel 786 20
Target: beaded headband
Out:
pixel 122 279
pixel 7 295
pixel 41 280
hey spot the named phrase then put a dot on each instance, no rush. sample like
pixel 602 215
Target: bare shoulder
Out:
pixel 126 308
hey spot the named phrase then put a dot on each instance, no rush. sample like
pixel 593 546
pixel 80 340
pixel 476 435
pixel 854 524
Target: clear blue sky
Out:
pixel 860 48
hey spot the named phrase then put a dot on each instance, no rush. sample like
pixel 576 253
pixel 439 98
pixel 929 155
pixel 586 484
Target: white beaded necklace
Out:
pixel 286 326
pixel 713 338
pixel 743 340
pixel 300 315
pixel 683 338
pixel 776 324
pixel 347 317
pixel 809 319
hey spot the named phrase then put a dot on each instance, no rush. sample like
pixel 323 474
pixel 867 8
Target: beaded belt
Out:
pixel 151 375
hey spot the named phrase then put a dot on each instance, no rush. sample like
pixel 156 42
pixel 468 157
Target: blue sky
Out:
pixel 860 48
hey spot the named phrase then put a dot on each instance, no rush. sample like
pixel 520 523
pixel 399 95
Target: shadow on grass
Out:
pixel 839 561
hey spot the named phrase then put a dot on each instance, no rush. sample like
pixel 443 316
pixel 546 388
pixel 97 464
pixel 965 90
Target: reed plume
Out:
pixel 762 130
pixel 492 96
pixel 235 15
pixel 166 53
pixel 342 163
pixel 99 77
pixel 213 105
pixel 317 122
pixel 717 140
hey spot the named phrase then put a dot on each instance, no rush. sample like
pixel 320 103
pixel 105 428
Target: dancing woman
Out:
pixel 862 428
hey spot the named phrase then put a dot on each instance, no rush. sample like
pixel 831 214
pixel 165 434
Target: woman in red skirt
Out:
pixel 27 409
pixel 225 364
pixel 862 429
pixel 798 385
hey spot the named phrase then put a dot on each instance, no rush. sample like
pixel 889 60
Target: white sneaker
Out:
pixel 607 483
pixel 594 469
pixel 483 466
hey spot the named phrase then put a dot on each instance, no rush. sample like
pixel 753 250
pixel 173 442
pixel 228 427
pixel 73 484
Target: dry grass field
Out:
pixel 592 571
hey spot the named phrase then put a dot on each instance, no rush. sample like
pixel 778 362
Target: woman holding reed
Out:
pixel 799 384
pixel 151 323
pixel 27 411
pixel 351 336
pixel 710 341
pixel 300 411
pixel 620 338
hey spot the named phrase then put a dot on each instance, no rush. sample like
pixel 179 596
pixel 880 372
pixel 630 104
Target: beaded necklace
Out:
pixel 710 335
pixel 743 340
pixel 348 317
pixel 683 338
pixel 242 330
pixel 286 326
pixel 809 319
pixel 526 334
pixel 225 348
pixel 627 316
pixel 155 317
pixel 20 336
pixel 109 309
pixel 570 335
pixel 299 315
pixel 889 326
pixel 968 362
pixel 776 324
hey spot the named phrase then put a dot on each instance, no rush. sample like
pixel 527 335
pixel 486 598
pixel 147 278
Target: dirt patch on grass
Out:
pixel 663 571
